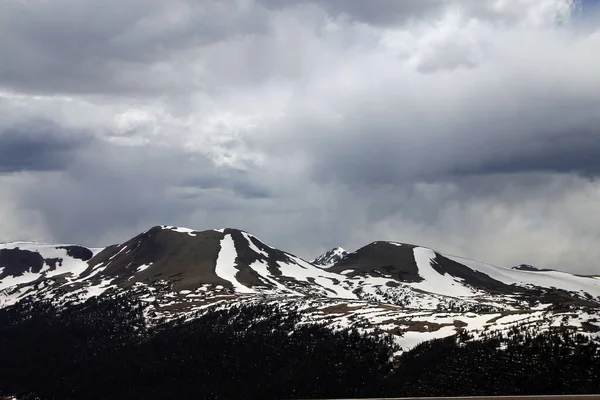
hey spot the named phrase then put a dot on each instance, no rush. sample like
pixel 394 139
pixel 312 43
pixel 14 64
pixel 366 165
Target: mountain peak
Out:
pixel 331 257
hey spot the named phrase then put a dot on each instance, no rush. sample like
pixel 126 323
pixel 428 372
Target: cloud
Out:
pixel 19 222
pixel 543 223
pixel 468 126
pixel 37 147
pixel 378 12
pixel 112 46
pixel 110 192
pixel 393 13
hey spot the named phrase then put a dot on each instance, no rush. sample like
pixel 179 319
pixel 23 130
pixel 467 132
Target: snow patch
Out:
pixel 143 267
pixel 96 290
pixel 191 232
pixel 225 268
pixel 321 277
pixel 434 282
pixel 253 246
pixel 25 277
pixel 261 268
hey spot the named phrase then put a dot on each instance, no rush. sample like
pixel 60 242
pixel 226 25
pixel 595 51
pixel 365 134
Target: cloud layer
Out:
pixel 468 126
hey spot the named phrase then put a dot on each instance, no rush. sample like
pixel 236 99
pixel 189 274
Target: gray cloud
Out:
pixel 240 184
pixel 378 12
pixel 468 126
pixel 392 13
pixel 112 46
pixel 380 142
pixel 38 146
pixel 124 190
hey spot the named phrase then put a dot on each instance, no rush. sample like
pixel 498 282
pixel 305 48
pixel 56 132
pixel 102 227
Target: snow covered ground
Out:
pixel 548 279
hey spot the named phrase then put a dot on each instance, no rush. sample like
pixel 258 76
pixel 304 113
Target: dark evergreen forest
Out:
pixel 102 350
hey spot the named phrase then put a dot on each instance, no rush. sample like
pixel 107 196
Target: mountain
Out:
pixel 403 283
pixel 331 257
pixel 25 262
pixel 407 293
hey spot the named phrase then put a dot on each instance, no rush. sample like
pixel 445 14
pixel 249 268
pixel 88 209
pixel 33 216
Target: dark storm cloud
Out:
pixel 111 46
pixel 373 160
pixel 572 152
pixel 38 146
pixel 406 134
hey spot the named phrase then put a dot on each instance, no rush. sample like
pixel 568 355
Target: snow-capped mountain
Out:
pixel 413 293
pixel 331 257
pixel 26 262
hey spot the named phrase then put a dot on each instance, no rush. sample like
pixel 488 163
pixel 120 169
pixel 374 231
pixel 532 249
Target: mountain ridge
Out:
pixel 381 288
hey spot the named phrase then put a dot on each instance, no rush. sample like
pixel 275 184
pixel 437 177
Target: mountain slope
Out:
pixel 24 262
pixel 579 286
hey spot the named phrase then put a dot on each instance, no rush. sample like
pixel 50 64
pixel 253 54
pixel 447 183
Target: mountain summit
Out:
pixel 331 257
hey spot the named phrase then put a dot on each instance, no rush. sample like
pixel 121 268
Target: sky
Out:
pixel 471 126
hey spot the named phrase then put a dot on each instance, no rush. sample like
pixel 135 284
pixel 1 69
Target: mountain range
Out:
pixel 410 292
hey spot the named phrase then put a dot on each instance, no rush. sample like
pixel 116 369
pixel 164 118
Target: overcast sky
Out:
pixel 469 126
